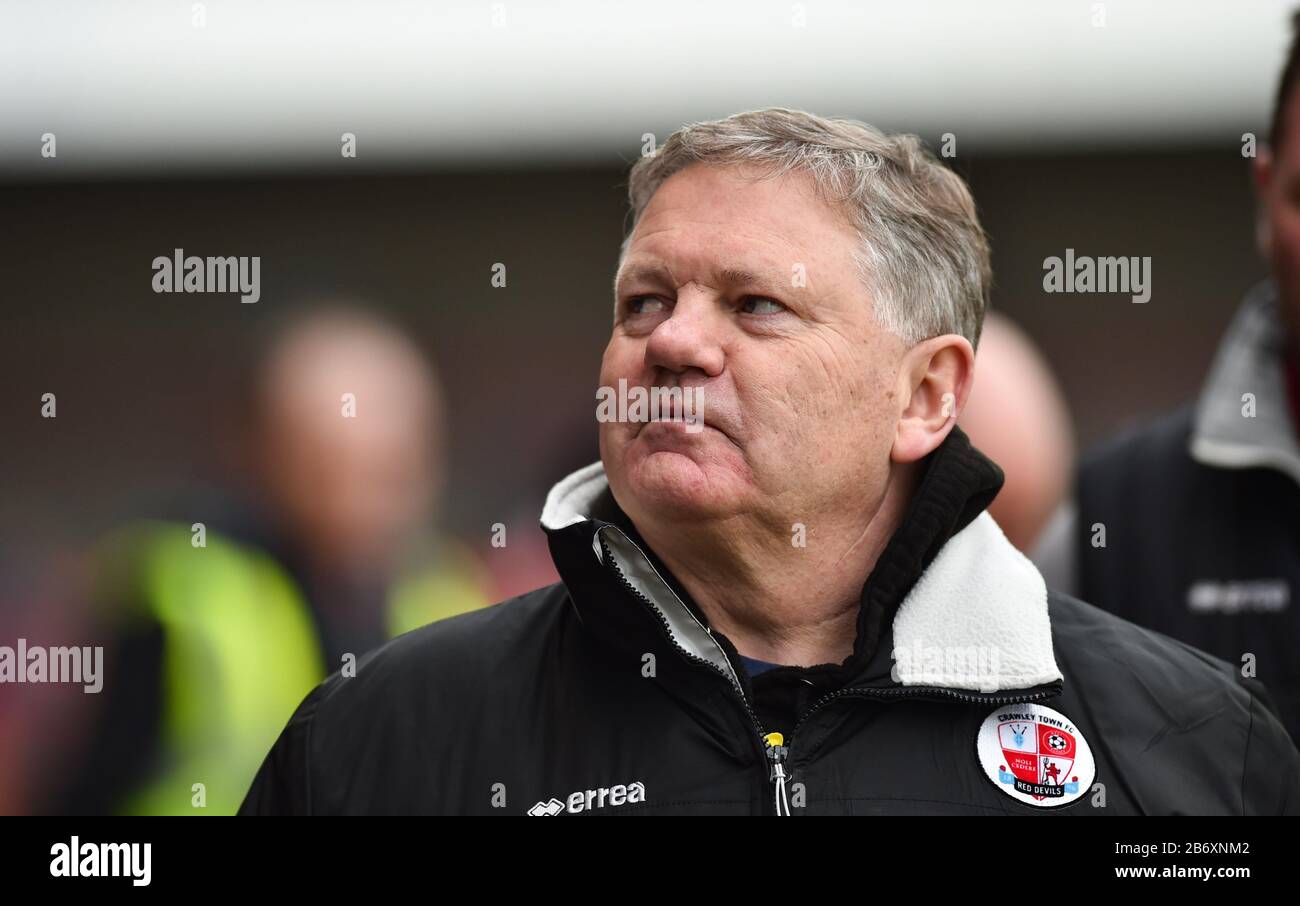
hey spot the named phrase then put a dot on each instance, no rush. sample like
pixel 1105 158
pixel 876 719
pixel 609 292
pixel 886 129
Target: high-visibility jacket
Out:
pixel 240 651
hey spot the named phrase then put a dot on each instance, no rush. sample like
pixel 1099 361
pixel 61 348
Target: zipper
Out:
pixel 779 751
pixel 774 747
pixel 776 754
pixel 920 692
pixel 611 561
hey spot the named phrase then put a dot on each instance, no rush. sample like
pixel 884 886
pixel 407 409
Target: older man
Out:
pixel 792 602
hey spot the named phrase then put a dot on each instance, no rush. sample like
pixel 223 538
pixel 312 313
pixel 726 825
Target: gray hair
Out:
pixel 924 256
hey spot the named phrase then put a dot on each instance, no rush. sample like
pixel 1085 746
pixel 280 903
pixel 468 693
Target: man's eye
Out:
pixel 761 305
pixel 644 305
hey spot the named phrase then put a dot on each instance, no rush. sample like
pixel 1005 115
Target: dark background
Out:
pixel 139 374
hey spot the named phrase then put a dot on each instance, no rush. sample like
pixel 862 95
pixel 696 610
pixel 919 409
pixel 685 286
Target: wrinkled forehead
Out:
pixel 755 193
pixel 730 226
pixel 756 273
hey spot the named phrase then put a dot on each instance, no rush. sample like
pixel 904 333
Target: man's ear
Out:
pixel 933 384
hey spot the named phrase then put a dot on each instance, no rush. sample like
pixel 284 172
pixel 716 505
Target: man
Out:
pixel 225 617
pixel 1191 525
pixel 790 602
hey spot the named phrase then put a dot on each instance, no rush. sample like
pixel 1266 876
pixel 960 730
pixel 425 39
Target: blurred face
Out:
pixel 1278 183
pixel 352 489
pixel 747 288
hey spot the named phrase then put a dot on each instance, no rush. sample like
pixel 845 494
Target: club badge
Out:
pixel 1035 755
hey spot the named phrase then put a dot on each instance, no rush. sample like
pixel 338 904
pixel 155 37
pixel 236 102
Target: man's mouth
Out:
pixel 675 409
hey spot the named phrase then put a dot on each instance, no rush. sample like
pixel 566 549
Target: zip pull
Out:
pixel 776 752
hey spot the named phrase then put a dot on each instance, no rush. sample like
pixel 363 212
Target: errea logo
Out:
pixel 585 800
pixel 1250 596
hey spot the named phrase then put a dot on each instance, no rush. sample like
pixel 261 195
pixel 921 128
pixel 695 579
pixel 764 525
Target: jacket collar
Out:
pixel 1250 359
pixel 950 604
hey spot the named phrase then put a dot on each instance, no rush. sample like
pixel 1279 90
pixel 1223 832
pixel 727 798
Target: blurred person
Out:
pixel 1190 525
pixel 1017 415
pixel 792 599
pixel 224 620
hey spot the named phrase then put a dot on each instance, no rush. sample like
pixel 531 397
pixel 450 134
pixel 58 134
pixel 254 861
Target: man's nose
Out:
pixel 690 337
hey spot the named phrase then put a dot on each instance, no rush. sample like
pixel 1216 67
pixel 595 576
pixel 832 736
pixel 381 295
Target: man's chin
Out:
pixel 669 483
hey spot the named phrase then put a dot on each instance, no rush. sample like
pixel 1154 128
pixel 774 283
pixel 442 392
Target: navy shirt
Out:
pixel 755 666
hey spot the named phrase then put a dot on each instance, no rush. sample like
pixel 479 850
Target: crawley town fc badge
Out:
pixel 1035 755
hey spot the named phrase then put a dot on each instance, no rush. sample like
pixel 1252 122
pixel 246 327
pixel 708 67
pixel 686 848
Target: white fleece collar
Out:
pixel 571 500
pixel 1249 360
pixel 975 619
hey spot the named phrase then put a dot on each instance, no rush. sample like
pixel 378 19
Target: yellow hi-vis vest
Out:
pixel 240 653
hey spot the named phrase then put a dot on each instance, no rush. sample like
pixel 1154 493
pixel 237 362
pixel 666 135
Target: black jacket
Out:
pixel 1201 515
pixel 1207 555
pixel 970 690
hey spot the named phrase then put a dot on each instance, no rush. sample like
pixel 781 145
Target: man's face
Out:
pixel 353 490
pixel 747 288
pixel 1278 184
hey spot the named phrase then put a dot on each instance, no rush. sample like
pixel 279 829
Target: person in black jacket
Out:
pixel 1190 524
pixel 781 592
